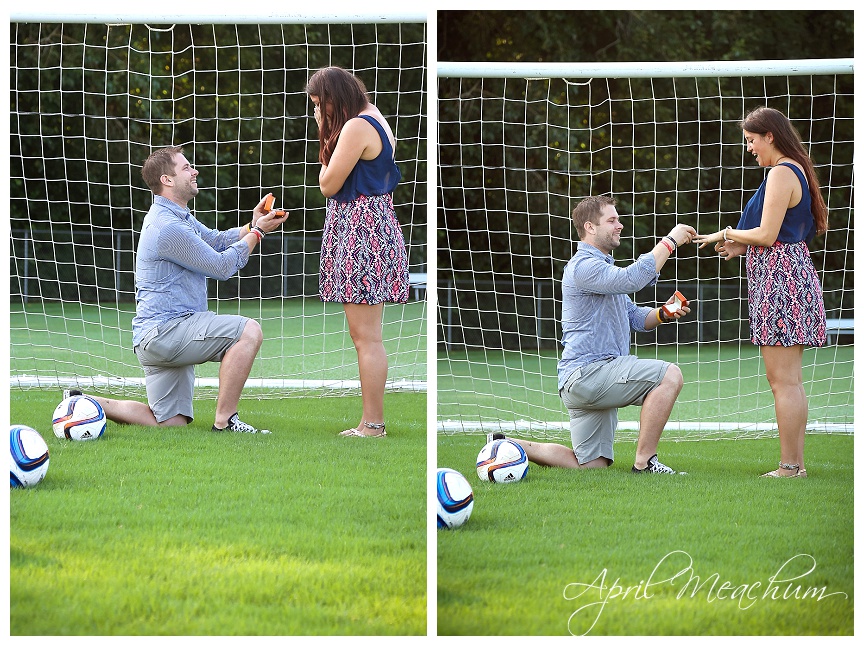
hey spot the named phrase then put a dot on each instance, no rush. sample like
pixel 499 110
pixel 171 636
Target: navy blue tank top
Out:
pixel 377 176
pixel 798 223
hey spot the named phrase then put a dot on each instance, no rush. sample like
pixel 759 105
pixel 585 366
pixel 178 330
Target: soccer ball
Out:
pixel 502 461
pixel 455 499
pixel 79 418
pixel 29 454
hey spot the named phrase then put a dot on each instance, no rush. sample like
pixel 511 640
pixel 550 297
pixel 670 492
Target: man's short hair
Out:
pixel 159 163
pixel 590 209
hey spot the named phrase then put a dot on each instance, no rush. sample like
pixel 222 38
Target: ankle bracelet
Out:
pixel 790 467
pixel 374 426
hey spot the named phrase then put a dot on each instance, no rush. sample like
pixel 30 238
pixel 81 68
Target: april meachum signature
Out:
pixel 712 587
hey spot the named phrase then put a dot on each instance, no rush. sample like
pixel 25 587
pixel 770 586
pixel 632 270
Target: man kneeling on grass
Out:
pixel 173 331
pixel 597 375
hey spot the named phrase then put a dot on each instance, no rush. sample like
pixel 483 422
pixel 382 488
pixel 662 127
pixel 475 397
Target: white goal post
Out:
pixel 519 144
pixel 92 94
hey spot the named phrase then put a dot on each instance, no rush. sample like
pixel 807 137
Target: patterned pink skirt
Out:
pixel 785 297
pixel 363 255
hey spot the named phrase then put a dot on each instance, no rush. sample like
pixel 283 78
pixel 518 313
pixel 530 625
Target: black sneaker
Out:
pixel 655 466
pixel 494 436
pixel 237 426
pixel 71 392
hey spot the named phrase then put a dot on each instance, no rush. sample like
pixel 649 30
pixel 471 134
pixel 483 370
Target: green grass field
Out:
pixel 565 552
pixel 186 532
pixel 722 383
pixel 303 339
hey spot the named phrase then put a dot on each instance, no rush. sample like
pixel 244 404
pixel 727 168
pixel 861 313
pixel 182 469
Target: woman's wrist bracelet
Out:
pixel 672 240
pixel 725 232
pixel 667 245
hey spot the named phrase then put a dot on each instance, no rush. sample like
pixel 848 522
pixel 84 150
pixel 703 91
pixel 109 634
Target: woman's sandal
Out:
pixel 799 473
pixel 353 432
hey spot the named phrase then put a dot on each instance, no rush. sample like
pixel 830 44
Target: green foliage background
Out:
pixel 640 35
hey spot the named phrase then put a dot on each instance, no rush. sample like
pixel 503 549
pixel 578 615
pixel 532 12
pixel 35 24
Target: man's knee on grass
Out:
pixel 177 420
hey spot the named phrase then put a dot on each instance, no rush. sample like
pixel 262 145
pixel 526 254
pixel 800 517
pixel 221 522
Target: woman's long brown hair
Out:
pixel 345 94
pixel 787 140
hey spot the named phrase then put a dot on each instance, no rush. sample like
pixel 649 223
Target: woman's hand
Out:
pixel 729 249
pixel 707 239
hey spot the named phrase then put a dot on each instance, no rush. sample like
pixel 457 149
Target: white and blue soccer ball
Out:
pixel 29 457
pixel 502 461
pixel 79 418
pixel 455 499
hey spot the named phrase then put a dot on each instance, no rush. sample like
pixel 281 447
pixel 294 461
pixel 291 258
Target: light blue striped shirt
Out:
pixel 596 312
pixel 176 255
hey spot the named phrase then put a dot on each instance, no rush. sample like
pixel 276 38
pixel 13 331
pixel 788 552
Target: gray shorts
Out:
pixel 594 393
pixel 169 353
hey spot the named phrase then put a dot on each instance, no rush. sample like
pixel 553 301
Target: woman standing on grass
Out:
pixel 784 295
pixel 364 262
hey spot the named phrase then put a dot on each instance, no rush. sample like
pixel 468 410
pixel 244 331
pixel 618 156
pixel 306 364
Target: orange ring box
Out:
pixel 268 205
pixel 677 304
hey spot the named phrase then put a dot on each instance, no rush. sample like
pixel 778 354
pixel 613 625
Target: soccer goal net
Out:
pixel 520 144
pixel 92 97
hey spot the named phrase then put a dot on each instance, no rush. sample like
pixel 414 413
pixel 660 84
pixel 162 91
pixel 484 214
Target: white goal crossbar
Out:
pixel 696 69
pixel 205 16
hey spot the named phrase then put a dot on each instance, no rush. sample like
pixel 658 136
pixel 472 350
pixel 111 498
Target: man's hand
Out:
pixel 261 211
pixel 682 234
pixel 677 312
pixel 270 222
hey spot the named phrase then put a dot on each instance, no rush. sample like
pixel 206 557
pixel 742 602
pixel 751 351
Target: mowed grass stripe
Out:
pixel 722 383
pixel 303 339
